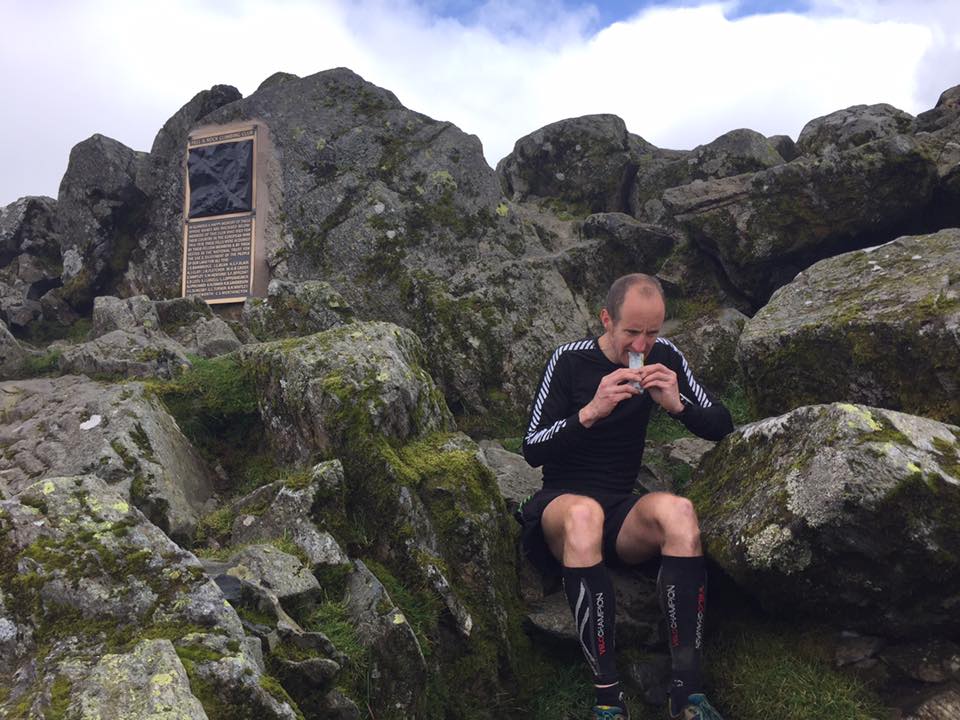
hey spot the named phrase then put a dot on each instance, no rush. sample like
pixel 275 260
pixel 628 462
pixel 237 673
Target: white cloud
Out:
pixel 679 76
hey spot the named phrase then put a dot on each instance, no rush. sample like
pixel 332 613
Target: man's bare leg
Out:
pixel 667 524
pixel 573 528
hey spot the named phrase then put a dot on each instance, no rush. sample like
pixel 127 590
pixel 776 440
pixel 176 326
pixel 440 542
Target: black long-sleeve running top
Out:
pixel 607 455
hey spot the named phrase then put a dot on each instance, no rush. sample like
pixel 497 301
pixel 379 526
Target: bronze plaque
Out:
pixel 220 208
pixel 218 258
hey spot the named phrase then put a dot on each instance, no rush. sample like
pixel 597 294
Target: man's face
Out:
pixel 639 324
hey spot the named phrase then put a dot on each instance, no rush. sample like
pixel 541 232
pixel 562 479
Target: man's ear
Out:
pixel 606 319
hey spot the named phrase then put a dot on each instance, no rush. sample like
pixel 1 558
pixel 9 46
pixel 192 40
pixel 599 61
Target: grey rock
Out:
pixel 212 338
pixel 155 267
pixel 785 146
pixel 373 369
pixel 30 262
pixel 515 478
pixel 854 649
pixel 398 670
pixel 100 209
pixel 638 613
pixel 733 153
pixel 287 515
pixel 944 705
pixel 651 676
pixel 149 681
pixel 851 127
pixel 709 344
pixel 12 354
pixel 689 450
pixel 612 245
pixel 182 312
pixel 133 575
pixel 282 575
pixel 138 353
pixel 944 113
pixel 111 313
pixel 71 425
pixel 890 317
pixel 295 308
pixel 586 163
pixel 765 227
pixel 934 661
pixel 785 501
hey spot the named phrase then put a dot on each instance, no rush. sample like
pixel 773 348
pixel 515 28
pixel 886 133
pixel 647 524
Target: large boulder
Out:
pixel 840 512
pixel 112 313
pixel 295 308
pixel 733 153
pixel 851 127
pixel 316 392
pixel 30 264
pixel 945 112
pixel 140 353
pixel 100 212
pixel 765 227
pixel 878 326
pixel 586 164
pixel 71 425
pixel 98 595
pixel 709 343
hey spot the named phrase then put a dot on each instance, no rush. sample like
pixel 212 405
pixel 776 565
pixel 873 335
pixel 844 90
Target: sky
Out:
pixel 679 72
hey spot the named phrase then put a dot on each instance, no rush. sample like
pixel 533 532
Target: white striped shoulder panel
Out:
pixel 698 391
pixel 544 434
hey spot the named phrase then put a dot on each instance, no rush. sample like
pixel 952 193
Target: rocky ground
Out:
pixel 301 507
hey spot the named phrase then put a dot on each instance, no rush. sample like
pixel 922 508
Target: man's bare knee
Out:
pixel 681 529
pixel 582 532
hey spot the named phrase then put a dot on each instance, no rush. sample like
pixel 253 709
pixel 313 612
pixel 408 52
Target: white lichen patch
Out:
pixel 767 428
pixel 776 548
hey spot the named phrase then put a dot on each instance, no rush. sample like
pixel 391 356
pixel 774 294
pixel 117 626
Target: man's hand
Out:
pixel 661 382
pixel 612 390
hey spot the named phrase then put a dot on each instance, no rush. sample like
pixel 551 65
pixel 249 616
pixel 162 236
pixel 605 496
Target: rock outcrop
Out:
pixel 765 227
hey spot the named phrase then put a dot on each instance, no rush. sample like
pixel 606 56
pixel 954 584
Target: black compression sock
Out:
pixel 590 594
pixel 682 586
pixel 611 696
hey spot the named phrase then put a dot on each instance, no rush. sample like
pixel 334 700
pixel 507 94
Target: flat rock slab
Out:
pixel 71 425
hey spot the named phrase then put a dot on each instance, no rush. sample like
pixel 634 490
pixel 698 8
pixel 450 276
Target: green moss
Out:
pixel 197 653
pixel 215 526
pixel 419 604
pixel 142 441
pixel 948 456
pixel 41 365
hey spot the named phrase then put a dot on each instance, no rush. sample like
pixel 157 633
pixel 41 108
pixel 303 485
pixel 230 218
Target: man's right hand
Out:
pixel 612 390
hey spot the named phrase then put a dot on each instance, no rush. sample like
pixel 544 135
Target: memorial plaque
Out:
pixel 220 229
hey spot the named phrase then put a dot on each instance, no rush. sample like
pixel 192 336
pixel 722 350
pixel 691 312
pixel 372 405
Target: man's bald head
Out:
pixel 646 285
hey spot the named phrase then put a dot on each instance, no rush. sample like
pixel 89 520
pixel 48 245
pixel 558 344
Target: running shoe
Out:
pixel 608 712
pixel 697 708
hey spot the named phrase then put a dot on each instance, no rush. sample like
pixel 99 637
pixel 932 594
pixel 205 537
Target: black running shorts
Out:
pixel 615 506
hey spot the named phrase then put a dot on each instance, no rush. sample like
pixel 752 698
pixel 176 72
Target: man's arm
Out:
pixel 554 427
pixel 702 413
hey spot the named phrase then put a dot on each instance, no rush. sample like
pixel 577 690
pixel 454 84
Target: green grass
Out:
pixel 760 670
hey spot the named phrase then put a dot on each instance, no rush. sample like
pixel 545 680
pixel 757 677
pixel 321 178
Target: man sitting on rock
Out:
pixel 587 430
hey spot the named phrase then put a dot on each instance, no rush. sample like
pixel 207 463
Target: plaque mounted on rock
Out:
pixel 223 257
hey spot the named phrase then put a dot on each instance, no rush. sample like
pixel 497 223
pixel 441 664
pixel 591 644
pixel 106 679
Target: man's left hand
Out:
pixel 661 382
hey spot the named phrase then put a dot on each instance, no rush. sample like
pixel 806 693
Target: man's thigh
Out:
pixel 554 517
pixel 641 536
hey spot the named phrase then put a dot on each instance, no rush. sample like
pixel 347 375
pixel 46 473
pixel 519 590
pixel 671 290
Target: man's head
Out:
pixel 632 316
